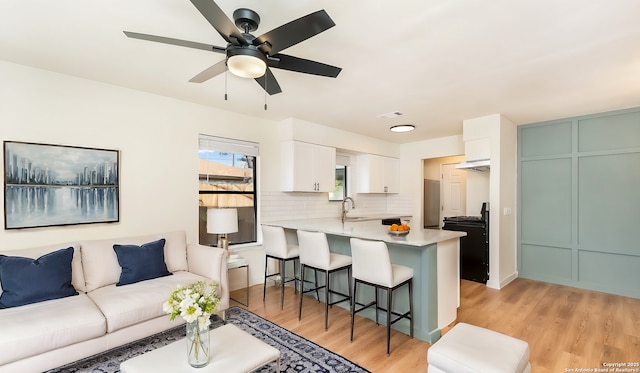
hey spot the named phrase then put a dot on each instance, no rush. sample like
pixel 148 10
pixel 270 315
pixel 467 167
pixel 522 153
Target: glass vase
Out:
pixel 198 343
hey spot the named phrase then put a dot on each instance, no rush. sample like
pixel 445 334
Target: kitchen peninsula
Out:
pixel 433 254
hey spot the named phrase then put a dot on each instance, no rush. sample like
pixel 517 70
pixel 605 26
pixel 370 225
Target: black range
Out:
pixel 474 247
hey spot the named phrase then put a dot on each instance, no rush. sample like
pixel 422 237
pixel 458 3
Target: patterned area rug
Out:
pixel 298 355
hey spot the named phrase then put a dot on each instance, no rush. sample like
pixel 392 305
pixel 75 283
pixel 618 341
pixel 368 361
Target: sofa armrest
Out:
pixel 210 262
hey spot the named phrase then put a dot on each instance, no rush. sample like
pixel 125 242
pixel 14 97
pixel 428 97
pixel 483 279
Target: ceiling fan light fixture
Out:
pixel 246 62
pixel 402 128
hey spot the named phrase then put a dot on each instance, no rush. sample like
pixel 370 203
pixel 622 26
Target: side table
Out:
pixel 236 263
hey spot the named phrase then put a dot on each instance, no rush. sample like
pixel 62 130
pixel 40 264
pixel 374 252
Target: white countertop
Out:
pixel 372 230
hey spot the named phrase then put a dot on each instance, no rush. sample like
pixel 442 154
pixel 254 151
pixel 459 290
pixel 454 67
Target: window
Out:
pixel 340 193
pixel 227 178
pixel 343 165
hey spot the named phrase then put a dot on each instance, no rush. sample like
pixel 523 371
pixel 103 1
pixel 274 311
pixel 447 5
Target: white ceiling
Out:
pixel 438 62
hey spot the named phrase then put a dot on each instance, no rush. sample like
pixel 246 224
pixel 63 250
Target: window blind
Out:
pixel 226 145
pixel 343 159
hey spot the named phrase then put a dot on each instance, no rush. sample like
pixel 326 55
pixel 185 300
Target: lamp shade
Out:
pixel 222 220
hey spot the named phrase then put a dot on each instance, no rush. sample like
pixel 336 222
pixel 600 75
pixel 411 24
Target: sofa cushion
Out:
pixel 132 304
pixel 27 280
pixel 141 263
pixel 40 327
pixel 100 261
pixel 77 277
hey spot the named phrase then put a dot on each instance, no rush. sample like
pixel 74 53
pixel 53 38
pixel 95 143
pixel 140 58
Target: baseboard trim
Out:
pixel 502 283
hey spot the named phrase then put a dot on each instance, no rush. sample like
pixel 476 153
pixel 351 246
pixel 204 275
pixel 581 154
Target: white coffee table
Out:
pixel 232 350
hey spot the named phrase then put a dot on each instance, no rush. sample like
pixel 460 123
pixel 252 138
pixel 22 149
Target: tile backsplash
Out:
pixel 293 205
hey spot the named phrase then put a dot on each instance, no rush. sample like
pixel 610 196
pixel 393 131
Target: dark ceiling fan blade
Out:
pixel 216 17
pixel 178 42
pixel 301 65
pixel 294 32
pixel 272 87
pixel 210 72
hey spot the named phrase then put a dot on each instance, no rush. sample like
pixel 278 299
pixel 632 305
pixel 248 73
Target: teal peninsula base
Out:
pixel 433 255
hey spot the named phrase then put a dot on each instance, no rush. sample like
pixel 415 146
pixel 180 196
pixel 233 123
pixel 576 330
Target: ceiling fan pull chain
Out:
pixel 226 72
pixel 265 91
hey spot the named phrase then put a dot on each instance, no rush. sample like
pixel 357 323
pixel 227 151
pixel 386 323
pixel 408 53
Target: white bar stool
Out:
pixel 315 254
pixel 372 266
pixel 276 247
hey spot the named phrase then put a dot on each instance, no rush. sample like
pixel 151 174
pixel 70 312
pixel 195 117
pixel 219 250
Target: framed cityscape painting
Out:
pixel 47 185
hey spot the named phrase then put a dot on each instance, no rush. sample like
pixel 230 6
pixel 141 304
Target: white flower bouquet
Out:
pixel 195 303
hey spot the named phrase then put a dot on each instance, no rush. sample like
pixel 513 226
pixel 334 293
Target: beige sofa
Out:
pixel 44 335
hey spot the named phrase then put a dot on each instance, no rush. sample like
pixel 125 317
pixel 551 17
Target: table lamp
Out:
pixel 222 221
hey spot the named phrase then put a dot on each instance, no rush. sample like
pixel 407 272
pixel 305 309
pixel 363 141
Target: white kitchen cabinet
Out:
pixel 377 174
pixel 476 150
pixel 307 167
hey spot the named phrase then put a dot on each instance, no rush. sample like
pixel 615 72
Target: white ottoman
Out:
pixel 471 349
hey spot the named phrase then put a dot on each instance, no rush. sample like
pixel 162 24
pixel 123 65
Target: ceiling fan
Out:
pixel 252 57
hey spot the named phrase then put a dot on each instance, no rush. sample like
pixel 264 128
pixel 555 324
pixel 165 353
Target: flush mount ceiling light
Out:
pixel 402 128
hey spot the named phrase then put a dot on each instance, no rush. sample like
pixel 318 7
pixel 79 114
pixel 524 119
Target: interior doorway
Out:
pixel 444 190
pixel 454 191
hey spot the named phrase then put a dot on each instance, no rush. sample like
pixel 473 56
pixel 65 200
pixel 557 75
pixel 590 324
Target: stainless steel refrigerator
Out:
pixel 431 209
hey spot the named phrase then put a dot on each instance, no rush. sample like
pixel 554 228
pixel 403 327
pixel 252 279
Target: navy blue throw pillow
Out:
pixel 27 280
pixel 141 263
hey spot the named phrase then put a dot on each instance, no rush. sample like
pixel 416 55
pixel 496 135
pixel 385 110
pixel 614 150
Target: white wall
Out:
pixel 157 138
pixel 508 184
pixel 412 170
pixel 502 188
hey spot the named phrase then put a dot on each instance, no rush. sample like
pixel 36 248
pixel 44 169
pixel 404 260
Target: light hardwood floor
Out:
pixel 566 328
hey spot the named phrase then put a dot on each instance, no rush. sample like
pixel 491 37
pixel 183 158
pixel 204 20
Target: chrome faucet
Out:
pixel 344 208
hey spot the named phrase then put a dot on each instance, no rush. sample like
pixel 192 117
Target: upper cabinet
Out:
pixel 307 167
pixel 377 174
pixel 477 149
